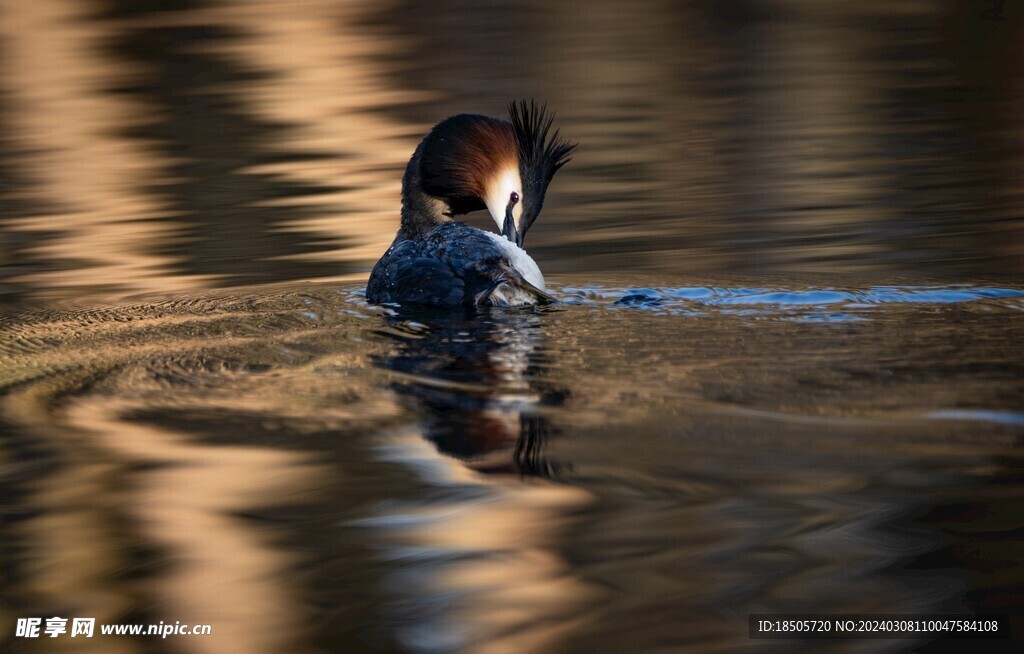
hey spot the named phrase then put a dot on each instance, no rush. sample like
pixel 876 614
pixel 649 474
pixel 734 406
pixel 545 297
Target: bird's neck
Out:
pixel 420 212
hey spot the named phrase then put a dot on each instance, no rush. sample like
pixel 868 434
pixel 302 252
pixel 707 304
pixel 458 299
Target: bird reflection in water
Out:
pixel 474 559
pixel 472 380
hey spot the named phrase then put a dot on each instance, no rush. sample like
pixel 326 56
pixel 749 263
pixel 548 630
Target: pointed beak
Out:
pixel 509 230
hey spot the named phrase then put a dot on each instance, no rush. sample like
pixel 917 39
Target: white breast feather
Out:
pixel 520 261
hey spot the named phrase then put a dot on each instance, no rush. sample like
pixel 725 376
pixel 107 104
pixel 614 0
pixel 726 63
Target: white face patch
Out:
pixel 498 193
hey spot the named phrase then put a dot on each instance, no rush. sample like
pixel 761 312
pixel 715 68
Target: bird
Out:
pixel 470 162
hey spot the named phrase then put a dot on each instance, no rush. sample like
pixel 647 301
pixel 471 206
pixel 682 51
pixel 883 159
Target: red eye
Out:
pixel 514 197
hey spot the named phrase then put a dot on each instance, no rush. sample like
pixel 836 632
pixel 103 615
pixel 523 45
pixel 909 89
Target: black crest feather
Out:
pixel 540 156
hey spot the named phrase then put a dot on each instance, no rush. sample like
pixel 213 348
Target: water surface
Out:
pixel 784 374
pixel 633 468
pixel 171 146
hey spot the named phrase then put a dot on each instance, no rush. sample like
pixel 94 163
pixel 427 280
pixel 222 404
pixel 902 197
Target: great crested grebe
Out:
pixel 469 162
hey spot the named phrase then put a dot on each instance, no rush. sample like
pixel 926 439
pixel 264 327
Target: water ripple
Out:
pixel 759 302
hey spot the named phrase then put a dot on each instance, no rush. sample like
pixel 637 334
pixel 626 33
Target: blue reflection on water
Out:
pixel 782 302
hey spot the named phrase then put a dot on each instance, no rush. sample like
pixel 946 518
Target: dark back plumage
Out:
pixel 540 157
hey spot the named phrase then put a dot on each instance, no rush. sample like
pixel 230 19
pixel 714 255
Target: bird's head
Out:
pixel 472 162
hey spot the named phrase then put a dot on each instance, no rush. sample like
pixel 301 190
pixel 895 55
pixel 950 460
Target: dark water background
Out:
pixel 785 374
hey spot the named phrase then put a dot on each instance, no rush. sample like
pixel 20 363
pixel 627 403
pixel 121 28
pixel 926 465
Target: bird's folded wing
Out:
pixel 406 275
pixel 508 287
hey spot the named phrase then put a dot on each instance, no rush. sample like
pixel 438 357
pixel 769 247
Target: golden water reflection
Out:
pixel 307 473
pixel 301 470
pixel 165 148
